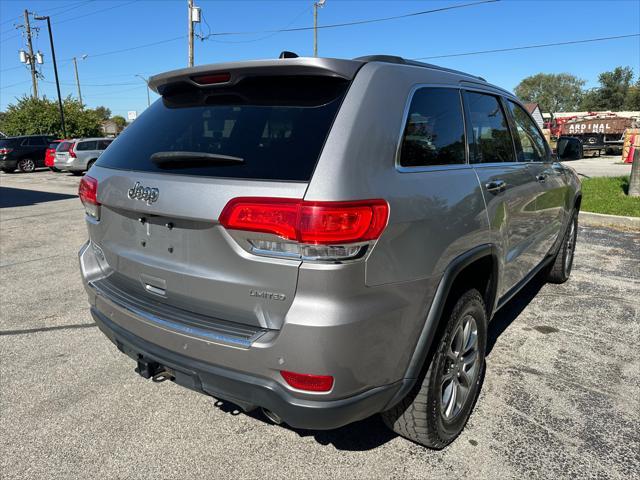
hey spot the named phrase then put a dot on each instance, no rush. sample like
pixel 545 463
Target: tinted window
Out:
pixel 25 142
pixel 278 125
pixel 491 138
pixel 64 146
pixel 434 133
pixel 532 144
pixel 102 144
pixel 36 142
pixel 82 146
pixel 7 143
pixel 53 145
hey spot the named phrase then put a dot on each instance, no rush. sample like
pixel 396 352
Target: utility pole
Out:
pixel 194 17
pixel 55 71
pixel 32 62
pixel 147 82
pixel 75 66
pixel 316 6
pixel 190 33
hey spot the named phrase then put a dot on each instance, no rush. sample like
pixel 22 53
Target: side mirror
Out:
pixel 569 148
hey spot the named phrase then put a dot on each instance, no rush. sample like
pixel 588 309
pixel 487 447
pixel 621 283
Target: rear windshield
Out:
pixel 64 146
pixel 53 145
pixel 277 125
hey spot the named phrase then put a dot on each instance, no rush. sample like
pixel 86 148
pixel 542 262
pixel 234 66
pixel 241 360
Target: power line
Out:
pixel 50 11
pixel 358 22
pixel 80 16
pixel 526 47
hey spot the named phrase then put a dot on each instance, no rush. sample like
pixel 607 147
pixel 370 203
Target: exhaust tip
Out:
pixel 271 416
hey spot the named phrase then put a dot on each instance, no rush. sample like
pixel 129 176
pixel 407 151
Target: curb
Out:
pixel 600 219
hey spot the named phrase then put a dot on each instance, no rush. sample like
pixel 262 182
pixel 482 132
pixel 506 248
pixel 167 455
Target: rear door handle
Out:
pixel 496 186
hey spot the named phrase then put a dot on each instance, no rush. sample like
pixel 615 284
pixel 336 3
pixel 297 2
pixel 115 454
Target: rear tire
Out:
pixel 26 165
pixel 561 268
pixel 76 173
pixel 437 409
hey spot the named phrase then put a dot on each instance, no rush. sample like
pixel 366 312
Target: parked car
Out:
pixel 324 239
pixel 78 155
pixel 26 152
pixel 50 155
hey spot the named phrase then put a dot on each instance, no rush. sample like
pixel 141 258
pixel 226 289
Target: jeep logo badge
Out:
pixel 146 194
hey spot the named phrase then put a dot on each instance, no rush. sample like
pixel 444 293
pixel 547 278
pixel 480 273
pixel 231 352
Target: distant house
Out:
pixel 534 110
pixel 110 128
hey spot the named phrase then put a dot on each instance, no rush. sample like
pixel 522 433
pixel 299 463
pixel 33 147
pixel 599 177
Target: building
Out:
pixel 534 110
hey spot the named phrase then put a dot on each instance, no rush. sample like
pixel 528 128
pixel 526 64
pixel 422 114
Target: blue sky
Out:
pixel 101 26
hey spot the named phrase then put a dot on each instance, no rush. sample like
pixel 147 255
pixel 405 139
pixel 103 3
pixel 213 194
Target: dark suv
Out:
pixel 324 239
pixel 26 153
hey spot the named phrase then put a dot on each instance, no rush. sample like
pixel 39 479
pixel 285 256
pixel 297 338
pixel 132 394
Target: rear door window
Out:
pixel 103 144
pixel 434 132
pixel 531 142
pixel 84 146
pixel 490 140
pixel 277 125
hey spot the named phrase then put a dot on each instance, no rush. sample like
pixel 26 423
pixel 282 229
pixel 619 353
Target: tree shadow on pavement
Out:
pixel 19 197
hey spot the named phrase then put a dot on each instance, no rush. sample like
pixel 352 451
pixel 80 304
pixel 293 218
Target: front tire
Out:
pixel 438 408
pixel 26 165
pixel 561 268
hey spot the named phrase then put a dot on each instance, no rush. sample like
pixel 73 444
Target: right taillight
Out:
pixel 88 193
pixel 72 153
pixel 315 230
pixel 5 151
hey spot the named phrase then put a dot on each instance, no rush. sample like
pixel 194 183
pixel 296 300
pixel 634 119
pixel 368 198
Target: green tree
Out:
pixel 41 116
pixel 103 112
pixel 561 92
pixel 120 121
pixel 612 92
pixel 632 101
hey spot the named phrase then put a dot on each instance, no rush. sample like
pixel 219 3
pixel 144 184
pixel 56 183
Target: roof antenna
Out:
pixel 287 54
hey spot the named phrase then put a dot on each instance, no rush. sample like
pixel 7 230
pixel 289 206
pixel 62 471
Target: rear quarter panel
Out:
pixel 435 215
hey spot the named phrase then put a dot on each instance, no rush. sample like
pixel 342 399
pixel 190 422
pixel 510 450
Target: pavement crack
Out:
pixel 34 260
pixel 46 329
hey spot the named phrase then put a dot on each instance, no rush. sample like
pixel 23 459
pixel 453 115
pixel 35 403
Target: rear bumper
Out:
pixel 8 163
pixel 248 391
pixel 69 165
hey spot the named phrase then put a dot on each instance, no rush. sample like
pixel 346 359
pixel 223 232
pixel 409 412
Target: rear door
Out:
pixel 86 150
pixel 552 188
pixel 158 225
pixel 509 187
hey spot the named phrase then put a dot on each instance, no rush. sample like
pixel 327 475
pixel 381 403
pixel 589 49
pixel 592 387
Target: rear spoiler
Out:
pixel 226 74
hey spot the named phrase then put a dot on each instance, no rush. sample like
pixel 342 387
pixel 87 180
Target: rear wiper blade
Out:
pixel 191 159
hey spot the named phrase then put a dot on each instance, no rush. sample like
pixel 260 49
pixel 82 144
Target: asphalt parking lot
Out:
pixel 561 397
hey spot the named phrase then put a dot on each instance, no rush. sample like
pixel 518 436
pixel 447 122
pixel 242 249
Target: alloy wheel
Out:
pixel 26 165
pixel 570 244
pixel 461 368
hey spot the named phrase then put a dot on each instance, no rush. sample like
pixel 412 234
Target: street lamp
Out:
pixel 316 6
pixel 75 66
pixel 55 71
pixel 146 80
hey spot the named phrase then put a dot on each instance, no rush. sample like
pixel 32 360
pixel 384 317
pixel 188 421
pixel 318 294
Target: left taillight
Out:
pixel 313 230
pixel 88 193
pixel 5 151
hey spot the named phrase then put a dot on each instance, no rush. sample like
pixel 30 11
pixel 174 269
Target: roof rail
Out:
pixel 413 63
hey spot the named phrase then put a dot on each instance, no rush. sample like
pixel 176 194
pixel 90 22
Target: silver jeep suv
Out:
pixel 324 239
